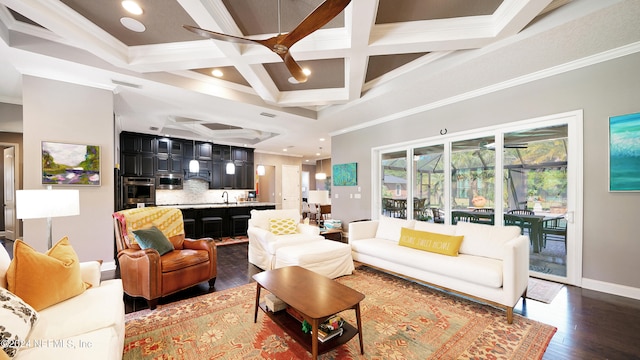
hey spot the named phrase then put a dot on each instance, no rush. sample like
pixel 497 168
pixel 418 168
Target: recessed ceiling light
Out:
pixel 293 80
pixel 321 139
pixel 306 71
pixel 216 73
pixel 317 154
pixel 132 7
pixel 132 24
pixel 284 149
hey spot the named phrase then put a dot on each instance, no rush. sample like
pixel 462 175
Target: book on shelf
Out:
pixel 330 328
pixel 324 336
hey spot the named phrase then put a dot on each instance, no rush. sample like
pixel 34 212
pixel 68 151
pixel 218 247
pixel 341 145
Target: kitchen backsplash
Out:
pixel 197 192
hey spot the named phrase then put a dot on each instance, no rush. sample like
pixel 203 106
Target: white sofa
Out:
pixel 263 244
pixel 87 326
pixel 492 265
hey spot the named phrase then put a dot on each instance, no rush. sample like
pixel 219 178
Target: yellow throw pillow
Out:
pixel 432 242
pixel 283 226
pixel 42 280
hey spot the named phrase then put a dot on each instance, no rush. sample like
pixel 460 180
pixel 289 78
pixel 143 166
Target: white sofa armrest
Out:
pixel 515 269
pixel 262 236
pixel 90 272
pixel 308 229
pixel 362 230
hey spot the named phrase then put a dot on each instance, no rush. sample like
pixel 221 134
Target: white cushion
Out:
pixel 98 307
pixel 5 260
pixel 289 240
pixel 473 269
pixel 260 218
pixel 390 228
pixel 485 240
pixel 103 343
pixel 328 258
pixel 435 228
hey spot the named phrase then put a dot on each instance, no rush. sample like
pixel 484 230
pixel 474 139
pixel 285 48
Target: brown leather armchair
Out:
pixel 145 273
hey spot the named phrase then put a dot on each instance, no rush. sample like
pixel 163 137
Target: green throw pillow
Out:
pixel 153 238
pixel 432 242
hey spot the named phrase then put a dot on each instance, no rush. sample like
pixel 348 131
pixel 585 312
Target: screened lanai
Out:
pixel 534 174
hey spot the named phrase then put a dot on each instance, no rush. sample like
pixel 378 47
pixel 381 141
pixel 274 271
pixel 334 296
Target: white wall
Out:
pixel 63 112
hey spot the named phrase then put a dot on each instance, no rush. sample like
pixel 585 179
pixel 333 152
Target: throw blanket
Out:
pixel 167 220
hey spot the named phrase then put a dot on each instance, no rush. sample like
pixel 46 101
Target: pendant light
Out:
pixel 194 165
pixel 231 167
pixel 321 175
pixel 261 170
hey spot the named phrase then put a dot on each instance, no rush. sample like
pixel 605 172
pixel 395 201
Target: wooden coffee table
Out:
pixel 315 298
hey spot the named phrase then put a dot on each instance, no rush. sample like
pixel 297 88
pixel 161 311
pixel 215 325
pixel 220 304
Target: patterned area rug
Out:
pixel 401 320
pixel 543 290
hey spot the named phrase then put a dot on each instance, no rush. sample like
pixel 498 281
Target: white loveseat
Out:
pixel 263 244
pixel 87 326
pixel 492 265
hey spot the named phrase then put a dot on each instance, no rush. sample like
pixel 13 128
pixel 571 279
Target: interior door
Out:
pixel 291 179
pixel 9 194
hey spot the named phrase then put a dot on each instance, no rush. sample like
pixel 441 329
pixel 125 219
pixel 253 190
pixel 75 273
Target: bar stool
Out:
pixel 241 220
pixel 189 228
pixel 209 224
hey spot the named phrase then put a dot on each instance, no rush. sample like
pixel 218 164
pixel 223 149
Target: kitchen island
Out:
pixel 195 230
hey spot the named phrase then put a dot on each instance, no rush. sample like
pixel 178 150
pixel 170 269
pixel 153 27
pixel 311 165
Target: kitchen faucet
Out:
pixel 227 200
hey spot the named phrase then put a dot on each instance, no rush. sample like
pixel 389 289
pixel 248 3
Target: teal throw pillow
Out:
pixel 153 238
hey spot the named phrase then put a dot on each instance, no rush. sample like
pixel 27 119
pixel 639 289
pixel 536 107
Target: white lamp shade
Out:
pixel 318 197
pixel 321 176
pixel 231 168
pixel 261 170
pixel 38 204
pixel 194 166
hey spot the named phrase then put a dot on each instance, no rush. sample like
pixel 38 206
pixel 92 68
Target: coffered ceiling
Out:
pixel 162 77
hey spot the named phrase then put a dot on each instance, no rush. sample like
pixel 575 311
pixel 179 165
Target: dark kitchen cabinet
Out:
pixel 170 147
pixel 204 151
pixel 203 156
pixel 137 155
pixel 148 155
pixel 168 164
pixel 169 156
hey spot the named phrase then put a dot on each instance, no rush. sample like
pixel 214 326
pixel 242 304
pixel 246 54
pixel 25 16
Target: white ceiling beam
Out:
pixel 79 32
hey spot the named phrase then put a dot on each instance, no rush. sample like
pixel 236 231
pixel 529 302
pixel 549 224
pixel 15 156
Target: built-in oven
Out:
pixel 138 190
pixel 169 182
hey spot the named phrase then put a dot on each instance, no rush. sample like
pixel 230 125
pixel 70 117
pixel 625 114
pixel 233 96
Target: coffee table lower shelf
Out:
pixel 293 327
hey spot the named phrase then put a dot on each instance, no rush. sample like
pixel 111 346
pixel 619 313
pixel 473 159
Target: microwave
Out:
pixel 169 182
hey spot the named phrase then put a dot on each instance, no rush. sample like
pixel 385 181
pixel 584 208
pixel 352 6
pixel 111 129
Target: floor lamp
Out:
pixel 49 203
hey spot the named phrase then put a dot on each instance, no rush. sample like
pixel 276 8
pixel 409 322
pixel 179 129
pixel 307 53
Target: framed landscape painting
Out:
pixel 70 164
pixel 624 153
pixel 345 174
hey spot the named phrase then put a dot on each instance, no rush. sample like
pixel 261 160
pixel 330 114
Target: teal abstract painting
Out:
pixel 345 174
pixel 624 153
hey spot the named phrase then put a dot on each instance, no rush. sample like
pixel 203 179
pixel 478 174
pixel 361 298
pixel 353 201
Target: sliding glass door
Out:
pixel 535 183
pixel 455 179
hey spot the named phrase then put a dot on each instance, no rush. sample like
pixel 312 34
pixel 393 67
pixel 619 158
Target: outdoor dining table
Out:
pixel 535 224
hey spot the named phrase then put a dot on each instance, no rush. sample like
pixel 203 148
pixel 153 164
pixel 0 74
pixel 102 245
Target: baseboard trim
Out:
pixel 610 288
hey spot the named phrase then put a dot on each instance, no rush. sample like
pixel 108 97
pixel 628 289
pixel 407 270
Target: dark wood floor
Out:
pixel 591 324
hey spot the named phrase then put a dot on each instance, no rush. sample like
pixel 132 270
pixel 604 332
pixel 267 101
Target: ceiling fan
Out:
pixel 281 43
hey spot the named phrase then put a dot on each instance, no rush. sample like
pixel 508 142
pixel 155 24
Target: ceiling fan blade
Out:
pixel 294 67
pixel 219 36
pixel 318 18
